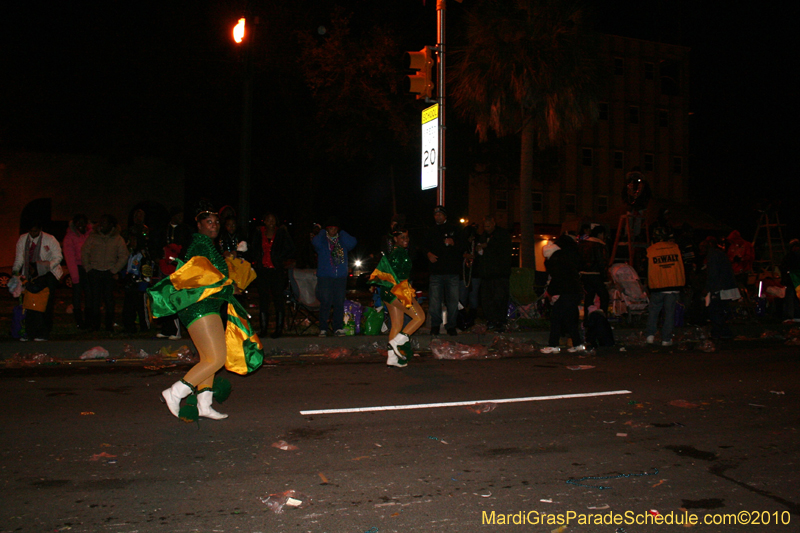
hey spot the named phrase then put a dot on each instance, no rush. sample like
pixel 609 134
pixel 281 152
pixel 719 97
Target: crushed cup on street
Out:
pixel 290 498
pixel 283 445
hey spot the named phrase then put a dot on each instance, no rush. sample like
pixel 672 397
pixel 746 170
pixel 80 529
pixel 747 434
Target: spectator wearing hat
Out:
pixel 332 245
pixel 445 253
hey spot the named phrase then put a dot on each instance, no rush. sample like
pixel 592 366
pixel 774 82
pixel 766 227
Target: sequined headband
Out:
pixel 201 213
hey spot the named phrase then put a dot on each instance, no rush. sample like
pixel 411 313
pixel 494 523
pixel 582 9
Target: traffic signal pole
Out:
pixel 440 12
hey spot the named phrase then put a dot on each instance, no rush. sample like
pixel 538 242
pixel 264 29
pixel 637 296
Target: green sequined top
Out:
pixel 203 245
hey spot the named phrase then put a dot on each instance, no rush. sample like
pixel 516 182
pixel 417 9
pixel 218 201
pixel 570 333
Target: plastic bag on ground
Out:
pixel 290 498
pixel 98 352
pixel 452 350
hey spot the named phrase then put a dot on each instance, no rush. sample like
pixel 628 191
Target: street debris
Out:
pixel 290 498
pixel 481 407
pixel 453 350
pixel 101 455
pixel 707 346
pixel 777 392
pixel 622 434
pixel 87 413
pixel 20 361
pixel 336 353
pixel 323 478
pixel 684 404
pixel 577 482
pixel 580 367
pixel 283 445
pixel 98 352
pixel 440 440
pixel 506 347
pixel 598 507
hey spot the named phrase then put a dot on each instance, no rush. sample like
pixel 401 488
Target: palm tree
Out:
pixel 530 67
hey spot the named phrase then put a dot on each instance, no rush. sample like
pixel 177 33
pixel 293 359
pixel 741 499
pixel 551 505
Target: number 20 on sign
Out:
pixel 430 146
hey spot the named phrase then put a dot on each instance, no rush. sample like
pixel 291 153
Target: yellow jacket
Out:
pixel 665 267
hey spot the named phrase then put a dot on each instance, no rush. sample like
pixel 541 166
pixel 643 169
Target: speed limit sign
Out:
pixel 430 147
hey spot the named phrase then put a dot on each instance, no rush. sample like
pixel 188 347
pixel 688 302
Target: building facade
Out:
pixel 643 121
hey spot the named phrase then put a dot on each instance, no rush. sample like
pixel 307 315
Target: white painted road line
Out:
pixel 459 404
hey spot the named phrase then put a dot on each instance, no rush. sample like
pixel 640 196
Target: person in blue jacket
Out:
pixel 332 246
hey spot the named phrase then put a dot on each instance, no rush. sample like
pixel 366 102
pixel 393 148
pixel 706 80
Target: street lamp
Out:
pixel 238 31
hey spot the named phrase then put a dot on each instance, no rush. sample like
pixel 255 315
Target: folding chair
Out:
pixel 302 302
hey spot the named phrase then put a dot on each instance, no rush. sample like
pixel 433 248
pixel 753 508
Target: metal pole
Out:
pixel 247 126
pixel 440 11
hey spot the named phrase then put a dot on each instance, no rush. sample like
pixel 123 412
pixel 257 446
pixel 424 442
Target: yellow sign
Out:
pixel 431 113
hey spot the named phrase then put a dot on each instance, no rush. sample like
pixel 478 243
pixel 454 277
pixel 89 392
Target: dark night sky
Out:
pixel 164 79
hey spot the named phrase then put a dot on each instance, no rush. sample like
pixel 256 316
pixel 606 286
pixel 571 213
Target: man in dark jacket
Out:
pixel 565 292
pixel 594 265
pixel 494 249
pixel 720 287
pixel 445 253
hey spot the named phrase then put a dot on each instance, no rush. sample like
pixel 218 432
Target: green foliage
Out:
pixel 354 79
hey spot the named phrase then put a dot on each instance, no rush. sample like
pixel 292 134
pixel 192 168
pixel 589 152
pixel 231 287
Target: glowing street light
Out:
pixel 238 31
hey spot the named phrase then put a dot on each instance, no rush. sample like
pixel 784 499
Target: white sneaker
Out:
pixel 161 336
pixel 666 343
pixel 340 333
pixel 551 349
pixel 651 339
pixel 323 333
pixel 174 337
pixel 578 348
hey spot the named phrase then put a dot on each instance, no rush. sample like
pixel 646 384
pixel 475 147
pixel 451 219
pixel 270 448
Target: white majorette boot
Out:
pixel 396 357
pixel 173 395
pixel 204 405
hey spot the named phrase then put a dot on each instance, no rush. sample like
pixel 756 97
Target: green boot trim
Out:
pixel 189 412
pixel 222 389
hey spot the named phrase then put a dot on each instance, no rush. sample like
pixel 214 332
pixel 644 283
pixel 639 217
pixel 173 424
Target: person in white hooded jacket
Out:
pixel 38 260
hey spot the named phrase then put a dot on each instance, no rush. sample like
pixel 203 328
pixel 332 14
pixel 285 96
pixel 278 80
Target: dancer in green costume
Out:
pixel 392 276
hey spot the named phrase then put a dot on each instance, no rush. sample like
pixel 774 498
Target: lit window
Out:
pixel 619 66
pixel 602 111
pixel 602 204
pixel 501 200
pixel 649 71
pixel 633 114
pixel 619 159
pixel 677 165
pixel 586 157
pixel 570 203
pixel 538 202
pixel 663 118
pixel 649 162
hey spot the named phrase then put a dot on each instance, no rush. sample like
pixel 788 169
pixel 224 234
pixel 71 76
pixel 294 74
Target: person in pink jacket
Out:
pixel 76 235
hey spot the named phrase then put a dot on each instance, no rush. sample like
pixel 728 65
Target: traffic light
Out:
pixel 421 82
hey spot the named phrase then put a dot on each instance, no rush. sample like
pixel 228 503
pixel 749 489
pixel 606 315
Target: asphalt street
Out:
pixel 89 448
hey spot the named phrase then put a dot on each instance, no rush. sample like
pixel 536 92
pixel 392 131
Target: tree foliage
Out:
pixel 529 68
pixel 354 78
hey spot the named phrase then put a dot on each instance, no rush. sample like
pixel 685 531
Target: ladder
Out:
pixel 774 239
pixel 625 237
